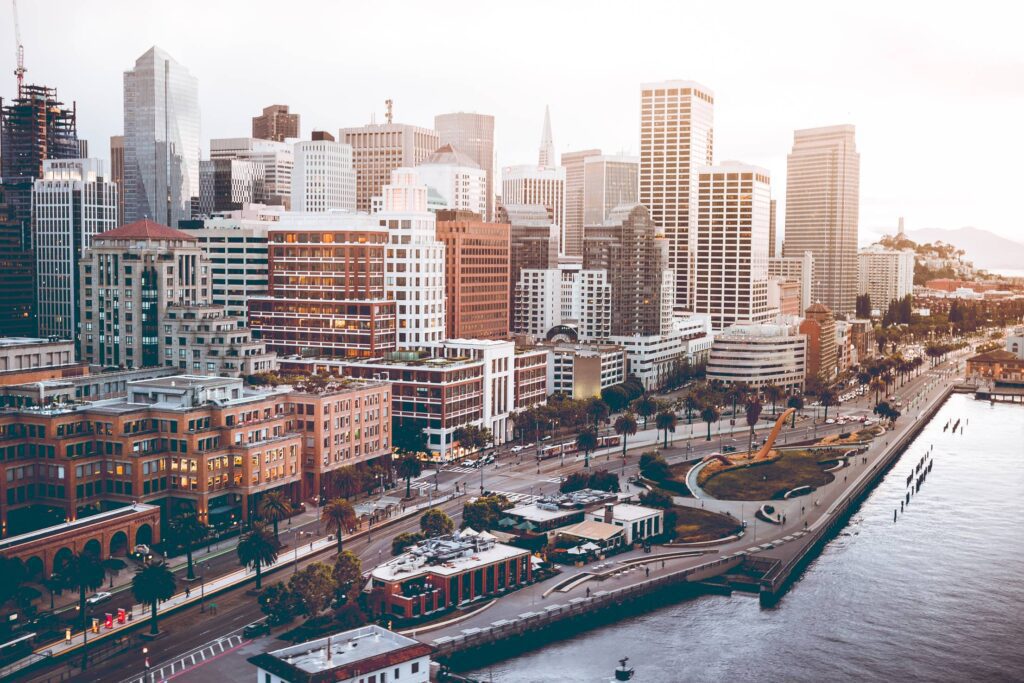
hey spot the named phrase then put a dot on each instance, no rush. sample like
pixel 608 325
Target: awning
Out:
pixel 223 509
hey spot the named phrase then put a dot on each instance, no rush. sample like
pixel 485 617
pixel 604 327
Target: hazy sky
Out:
pixel 936 90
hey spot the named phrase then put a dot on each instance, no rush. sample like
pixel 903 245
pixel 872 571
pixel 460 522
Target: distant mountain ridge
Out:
pixel 986 249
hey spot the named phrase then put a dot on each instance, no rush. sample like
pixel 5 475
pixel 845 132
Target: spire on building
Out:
pixel 547 144
pixel 900 231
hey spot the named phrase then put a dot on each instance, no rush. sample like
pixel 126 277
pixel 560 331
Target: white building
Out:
pixel 473 135
pixel 548 299
pixel 71 202
pixel 584 370
pixel 499 379
pixel 1015 342
pixel 676 137
pixel 799 268
pixel 652 359
pixel 729 244
pixel 885 274
pixel 415 275
pixel 456 178
pixel 277 158
pixel 368 653
pixel 544 186
pixel 608 181
pixel 759 355
pixel 639 522
pixel 324 177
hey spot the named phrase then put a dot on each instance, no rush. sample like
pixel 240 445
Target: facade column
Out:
pixel 245 507
pixel 458 598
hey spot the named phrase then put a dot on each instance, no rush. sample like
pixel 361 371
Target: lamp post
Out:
pixel 202 586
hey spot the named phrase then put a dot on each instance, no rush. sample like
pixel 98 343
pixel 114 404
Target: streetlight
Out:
pixel 202 586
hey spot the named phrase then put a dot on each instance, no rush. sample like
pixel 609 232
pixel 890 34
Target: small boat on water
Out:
pixel 624 673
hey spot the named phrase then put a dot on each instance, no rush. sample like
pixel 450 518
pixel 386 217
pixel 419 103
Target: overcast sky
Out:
pixel 936 90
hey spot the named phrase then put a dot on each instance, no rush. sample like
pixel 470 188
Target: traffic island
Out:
pixel 768 479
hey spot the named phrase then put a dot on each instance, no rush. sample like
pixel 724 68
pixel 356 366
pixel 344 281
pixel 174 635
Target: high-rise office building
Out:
pixel 161 140
pixel 457 179
pixel 324 177
pixel 275 123
pixel 277 158
pixel 17 276
pixel 546 157
pixel 729 244
pixel 415 262
pixel 573 163
pixel 822 211
pixel 799 268
pixel 534 186
pixel 628 248
pixel 473 135
pixel 117 172
pixel 378 149
pixel 534 240
pixel 563 301
pixel 71 203
pixel 608 181
pixel 676 137
pixel 772 235
pixel 229 184
pixel 476 275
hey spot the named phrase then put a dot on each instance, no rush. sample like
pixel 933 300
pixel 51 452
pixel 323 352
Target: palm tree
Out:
pixel 152 583
pixel 796 402
pixel 625 426
pixel 645 406
pixel 753 411
pixel 773 393
pixel 828 399
pixel 736 392
pixel 666 421
pixel 598 410
pixel 347 481
pixel 339 514
pixel 257 549
pixel 85 572
pixel 709 414
pixel 691 403
pixel 876 385
pixel 408 467
pixel 188 531
pixel 586 441
pixel 273 508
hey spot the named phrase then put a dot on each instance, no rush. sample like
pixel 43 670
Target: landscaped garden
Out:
pixel 694 525
pixel 769 479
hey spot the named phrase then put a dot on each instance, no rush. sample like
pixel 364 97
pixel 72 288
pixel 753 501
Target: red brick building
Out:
pixel 477 263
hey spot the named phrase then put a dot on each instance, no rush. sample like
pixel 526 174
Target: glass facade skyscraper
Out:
pixel 161 140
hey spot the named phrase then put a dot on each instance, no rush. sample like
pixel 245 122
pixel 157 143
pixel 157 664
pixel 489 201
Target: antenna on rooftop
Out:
pixel 19 52
pixel 388 104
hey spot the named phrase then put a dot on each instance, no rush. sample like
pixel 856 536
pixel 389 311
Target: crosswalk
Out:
pixel 461 470
pixel 553 480
pixel 176 667
pixel 421 485
pixel 523 498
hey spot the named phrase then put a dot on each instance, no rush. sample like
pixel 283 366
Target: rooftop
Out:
pixel 146 230
pixel 448 555
pixel 447 155
pixel 10 342
pixel 80 523
pixel 627 512
pixel 593 531
pixel 342 655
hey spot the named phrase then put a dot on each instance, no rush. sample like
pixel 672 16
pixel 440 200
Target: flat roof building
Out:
pixel 759 355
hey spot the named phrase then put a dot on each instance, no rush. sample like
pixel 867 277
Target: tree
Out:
pixel 257 549
pixel 656 499
pixel 692 404
pixel 828 399
pixel 188 531
pixel 402 541
pixel 152 583
pixel 774 394
pixel 577 481
pixel 616 397
pixel 407 436
pixel 82 571
pixel 736 393
pixel 877 385
pixel 340 516
pixel 348 578
pixel 314 585
pixel 603 480
pixel 273 508
pixel 484 512
pixel 597 410
pixel 14 574
pixel 645 406
pixel 709 414
pixel 863 306
pixel 349 616
pixel 435 522
pixel 887 412
pixel 625 426
pixel 666 422
pixel 408 467
pixel 796 402
pixel 753 413
pixel 586 441
pixel 347 480
pixel 279 603
pixel 472 437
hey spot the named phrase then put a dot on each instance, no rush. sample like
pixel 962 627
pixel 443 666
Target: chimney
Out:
pixel 608 512
pixel 329 655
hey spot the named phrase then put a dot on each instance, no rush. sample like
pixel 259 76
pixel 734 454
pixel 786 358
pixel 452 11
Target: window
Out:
pixel 415 667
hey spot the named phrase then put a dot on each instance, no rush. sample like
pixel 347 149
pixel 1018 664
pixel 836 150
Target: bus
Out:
pixel 14 650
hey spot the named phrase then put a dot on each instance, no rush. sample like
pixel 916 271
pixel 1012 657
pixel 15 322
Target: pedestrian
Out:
pixel 188 591
pixel 588 591
pixel 647 570
pixel 663 564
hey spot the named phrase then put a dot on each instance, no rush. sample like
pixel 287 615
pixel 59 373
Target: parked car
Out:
pixel 469 462
pixel 728 449
pixel 97 598
pixel 256 628
pixel 516 449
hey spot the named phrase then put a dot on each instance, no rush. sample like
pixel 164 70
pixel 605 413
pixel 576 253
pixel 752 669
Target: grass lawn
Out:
pixel 772 479
pixel 694 525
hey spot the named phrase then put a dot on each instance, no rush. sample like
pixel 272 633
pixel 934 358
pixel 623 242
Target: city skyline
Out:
pixel 902 97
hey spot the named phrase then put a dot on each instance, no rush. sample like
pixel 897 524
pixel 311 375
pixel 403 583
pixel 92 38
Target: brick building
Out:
pixel 477 263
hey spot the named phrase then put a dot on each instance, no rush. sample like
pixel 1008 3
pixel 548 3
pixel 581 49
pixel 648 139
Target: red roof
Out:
pixel 145 230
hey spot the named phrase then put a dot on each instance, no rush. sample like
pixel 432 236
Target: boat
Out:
pixel 623 673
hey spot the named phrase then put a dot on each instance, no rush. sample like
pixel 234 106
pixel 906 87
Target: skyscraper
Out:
pixel 229 184
pixel 17 276
pixel 546 158
pixel 676 137
pixel 573 163
pixel 772 234
pixel 161 139
pixel 534 241
pixel 275 123
pixel 729 244
pixel 380 148
pixel 608 181
pixel 71 202
pixel 534 186
pixel 822 211
pixel 277 158
pixel 323 177
pixel 476 275
pixel 117 172
pixel 473 135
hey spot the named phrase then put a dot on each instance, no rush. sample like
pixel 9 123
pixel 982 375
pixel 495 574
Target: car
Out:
pixel 141 549
pixel 469 462
pixel 97 598
pixel 830 421
pixel 868 422
pixel 516 449
pixel 728 449
pixel 256 628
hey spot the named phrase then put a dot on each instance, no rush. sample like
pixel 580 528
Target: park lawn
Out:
pixel 694 525
pixel 771 479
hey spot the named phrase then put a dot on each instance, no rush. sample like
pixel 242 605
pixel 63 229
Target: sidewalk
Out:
pixel 141 613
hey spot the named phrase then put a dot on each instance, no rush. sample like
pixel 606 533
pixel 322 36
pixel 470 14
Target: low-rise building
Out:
pixel 819 327
pixel 759 355
pixel 369 654
pixel 202 338
pixel 584 370
pixel 637 521
pixel 549 513
pixel 445 572
pixel 999 366
pixel 30 359
pixel 531 376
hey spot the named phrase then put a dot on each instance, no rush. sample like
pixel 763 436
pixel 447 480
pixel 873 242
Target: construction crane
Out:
pixel 20 51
